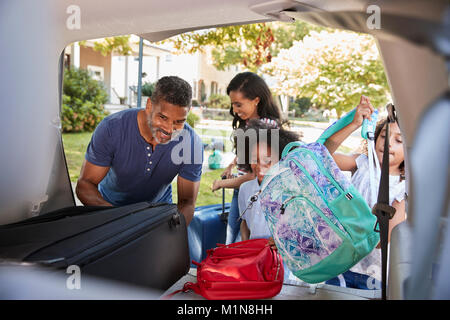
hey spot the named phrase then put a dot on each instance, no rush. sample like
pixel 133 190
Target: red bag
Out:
pixel 243 270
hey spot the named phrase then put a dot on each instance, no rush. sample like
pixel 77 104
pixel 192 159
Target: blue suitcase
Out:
pixel 208 227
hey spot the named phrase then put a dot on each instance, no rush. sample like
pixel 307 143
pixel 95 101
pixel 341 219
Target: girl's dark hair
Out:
pixel 251 86
pixel 378 128
pixel 285 137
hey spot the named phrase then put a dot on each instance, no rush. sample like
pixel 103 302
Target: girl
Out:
pixel 263 154
pixel 358 164
pixel 250 99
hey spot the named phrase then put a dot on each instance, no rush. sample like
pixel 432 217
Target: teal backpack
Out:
pixel 320 223
pixel 215 160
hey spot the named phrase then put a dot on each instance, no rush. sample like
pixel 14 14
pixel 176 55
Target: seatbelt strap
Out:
pixel 374 169
pixel 382 209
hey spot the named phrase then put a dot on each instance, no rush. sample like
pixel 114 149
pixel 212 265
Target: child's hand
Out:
pixel 216 185
pixel 227 173
pixel 363 111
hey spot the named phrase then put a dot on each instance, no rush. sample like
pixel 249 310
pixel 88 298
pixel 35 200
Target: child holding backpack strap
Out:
pixel 358 165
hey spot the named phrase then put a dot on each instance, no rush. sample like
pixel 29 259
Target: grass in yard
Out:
pixel 205 195
pixel 75 145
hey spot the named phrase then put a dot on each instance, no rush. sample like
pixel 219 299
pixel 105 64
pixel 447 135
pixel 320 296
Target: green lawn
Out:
pixel 205 195
pixel 75 145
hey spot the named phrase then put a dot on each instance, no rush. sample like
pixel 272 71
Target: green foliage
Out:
pixel 347 84
pixel 147 89
pixel 119 44
pixel 192 119
pixel 218 101
pixel 286 33
pixel 250 45
pixel 83 100
pixel 333 69
pixel 300 105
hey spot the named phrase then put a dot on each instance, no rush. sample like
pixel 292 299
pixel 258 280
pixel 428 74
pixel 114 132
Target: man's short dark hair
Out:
pixel 174 90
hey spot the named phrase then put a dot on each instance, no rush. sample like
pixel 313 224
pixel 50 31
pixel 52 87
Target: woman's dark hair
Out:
pixel 378 129
pixel 251 86
pixel 284 137
pixel 173 90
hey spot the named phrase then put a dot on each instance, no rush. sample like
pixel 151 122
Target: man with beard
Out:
pixel 131 156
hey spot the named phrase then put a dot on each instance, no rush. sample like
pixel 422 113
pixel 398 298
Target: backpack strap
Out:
pixel 382 209
pixel 336 126
pixel 188 286
pixel 289 147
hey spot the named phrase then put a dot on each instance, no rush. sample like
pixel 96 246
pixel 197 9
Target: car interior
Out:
pixel 413 41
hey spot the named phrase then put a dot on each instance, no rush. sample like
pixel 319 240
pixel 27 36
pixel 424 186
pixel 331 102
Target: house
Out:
pixel 120 73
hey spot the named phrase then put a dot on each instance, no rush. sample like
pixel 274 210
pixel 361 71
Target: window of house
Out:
pixel 214 87
pixel 194 89
pixel 96 72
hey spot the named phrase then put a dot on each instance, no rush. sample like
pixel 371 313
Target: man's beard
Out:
pixel 154 131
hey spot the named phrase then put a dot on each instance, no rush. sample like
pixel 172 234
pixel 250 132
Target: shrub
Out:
pixel 83 100
pixel 219 101
pixel 301 106
pixel 147 89
pixel 192 119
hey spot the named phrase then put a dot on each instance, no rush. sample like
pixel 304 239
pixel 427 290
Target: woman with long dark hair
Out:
pixel 250 99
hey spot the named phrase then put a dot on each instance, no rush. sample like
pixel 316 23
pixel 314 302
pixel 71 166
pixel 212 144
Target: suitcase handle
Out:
pixel 223 215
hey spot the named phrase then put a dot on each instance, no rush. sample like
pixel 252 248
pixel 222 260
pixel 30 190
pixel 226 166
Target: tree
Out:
pixel 332 68
pixel 120 44
pixel 250 45
pixel 300 105
pixel 219 101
